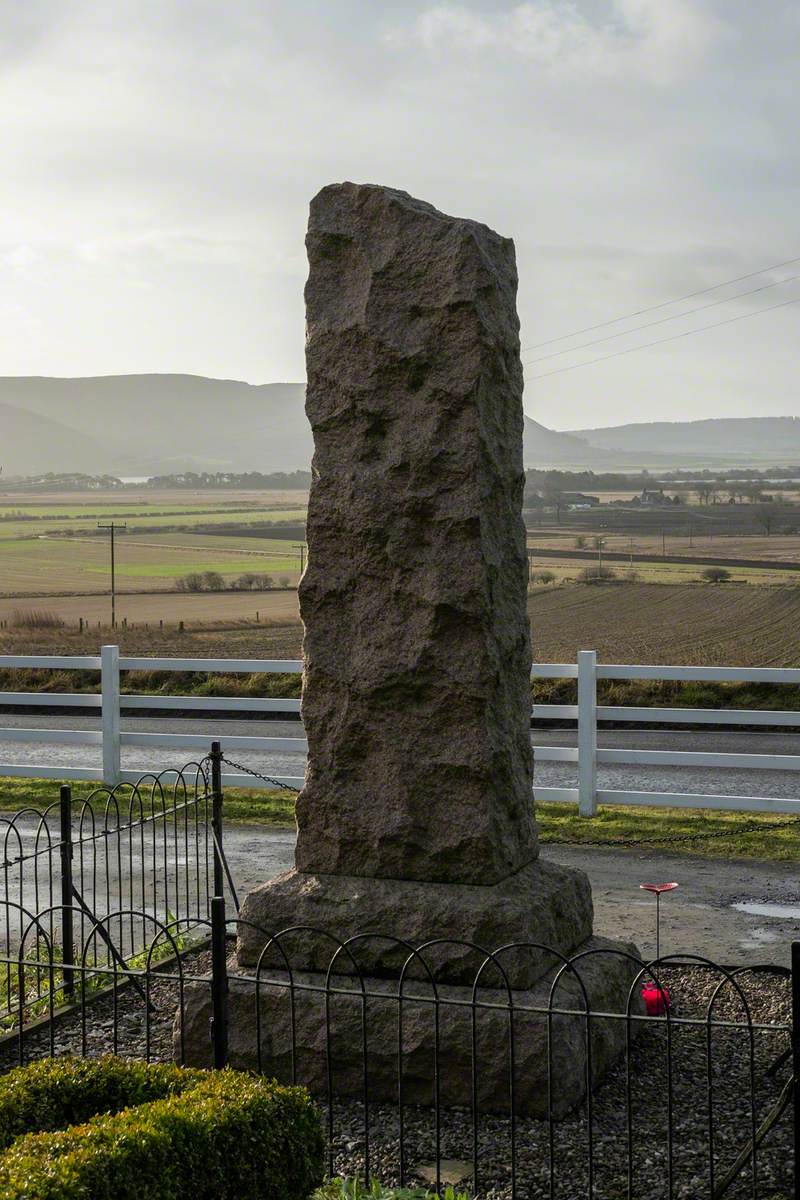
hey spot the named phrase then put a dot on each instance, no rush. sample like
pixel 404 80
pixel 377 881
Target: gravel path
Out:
pixel 730 1083
pixel 699 918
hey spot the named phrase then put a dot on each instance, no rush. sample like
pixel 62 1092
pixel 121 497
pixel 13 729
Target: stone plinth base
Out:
pixel 542 903
pixel 606 974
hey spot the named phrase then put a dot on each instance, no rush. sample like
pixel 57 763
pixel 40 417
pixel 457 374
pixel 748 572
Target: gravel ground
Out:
pixel 691 991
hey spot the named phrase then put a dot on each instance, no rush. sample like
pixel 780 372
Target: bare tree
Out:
pixel 766 516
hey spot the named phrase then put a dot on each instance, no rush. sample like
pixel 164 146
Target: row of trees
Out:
pixel 212 581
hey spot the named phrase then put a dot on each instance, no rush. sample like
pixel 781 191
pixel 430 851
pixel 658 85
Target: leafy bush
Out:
pixel 716 575
pixel 543 577
pixel 213 581
pixel 354 1189
pixel 54 1093
pixel 221 1135
pixel 597 574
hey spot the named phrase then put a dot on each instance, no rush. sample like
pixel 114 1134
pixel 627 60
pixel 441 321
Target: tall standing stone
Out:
pixel 415 823
pixel 417 811
pixel 416 695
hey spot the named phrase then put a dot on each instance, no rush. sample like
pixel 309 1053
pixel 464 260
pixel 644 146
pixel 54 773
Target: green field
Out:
pixel 53 566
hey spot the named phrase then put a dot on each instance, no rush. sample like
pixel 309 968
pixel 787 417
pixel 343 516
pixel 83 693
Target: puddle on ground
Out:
pixel 778 911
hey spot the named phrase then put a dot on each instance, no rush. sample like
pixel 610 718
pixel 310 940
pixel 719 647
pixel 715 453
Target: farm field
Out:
pixel 780 547
pixel 29 515
pixel 50 566
pixel 170 607
pixel 700 624
pixel 568 570
pixel 728 625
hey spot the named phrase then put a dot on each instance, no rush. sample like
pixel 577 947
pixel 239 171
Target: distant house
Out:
pixel 578 500
pixel 652 499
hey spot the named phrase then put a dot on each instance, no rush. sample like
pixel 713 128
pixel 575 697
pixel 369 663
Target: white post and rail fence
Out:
pixel 110 702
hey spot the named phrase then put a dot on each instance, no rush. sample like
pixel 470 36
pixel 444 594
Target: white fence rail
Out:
pixel 587 713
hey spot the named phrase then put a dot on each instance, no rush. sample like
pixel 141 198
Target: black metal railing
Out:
pixel 144 850
pixel 418 1078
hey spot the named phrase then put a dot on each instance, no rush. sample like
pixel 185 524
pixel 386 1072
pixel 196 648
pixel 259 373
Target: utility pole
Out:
pixel 302 549
pixel 113 526
pixel 600 557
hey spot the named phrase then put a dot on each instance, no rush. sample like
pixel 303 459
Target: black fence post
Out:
pixel 216 815
pixel 796 1063
pixel 219 983
pixel 67 931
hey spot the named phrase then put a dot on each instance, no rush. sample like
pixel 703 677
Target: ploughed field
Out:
pixel 52 551
pixel 729 625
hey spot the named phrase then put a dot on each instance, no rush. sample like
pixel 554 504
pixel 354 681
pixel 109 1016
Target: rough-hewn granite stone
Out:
pixel 416 694
pixel 606 976
pixel 416 818
pixel 543 902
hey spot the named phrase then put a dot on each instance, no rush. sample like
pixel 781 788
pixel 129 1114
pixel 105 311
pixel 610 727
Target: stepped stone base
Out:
pixel 542 902
pixel 606 974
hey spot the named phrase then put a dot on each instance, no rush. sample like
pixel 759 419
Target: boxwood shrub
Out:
pixel 56 1092
pixel 222 1135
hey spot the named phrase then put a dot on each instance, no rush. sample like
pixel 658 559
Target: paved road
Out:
pixel 666 779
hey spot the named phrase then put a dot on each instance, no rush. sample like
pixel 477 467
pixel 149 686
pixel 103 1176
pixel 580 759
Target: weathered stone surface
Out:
pixel 416 819
pixel 416 694
pixel 542 902
pixel 606 976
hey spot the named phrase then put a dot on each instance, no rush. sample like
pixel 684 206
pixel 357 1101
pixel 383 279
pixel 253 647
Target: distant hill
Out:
pixel 31 444
pixel 163 424
pixel 542 447
pixel 159 424
pixel 731 437
pixel 166 424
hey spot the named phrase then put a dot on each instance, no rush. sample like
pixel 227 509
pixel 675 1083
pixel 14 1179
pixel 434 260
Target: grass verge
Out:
pixel 733 835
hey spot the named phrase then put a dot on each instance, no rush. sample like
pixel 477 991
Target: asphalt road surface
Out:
pixel 651 778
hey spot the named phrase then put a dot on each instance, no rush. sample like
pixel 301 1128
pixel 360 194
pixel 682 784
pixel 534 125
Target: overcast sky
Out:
pixel 158 157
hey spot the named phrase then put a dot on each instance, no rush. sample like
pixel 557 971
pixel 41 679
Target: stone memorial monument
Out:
pixel 416 819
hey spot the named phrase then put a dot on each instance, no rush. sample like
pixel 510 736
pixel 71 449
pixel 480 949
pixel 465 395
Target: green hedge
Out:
pixel 221 1135
pixel 57 1092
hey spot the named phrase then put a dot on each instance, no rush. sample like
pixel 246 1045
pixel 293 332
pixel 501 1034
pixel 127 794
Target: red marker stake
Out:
pixel 656 998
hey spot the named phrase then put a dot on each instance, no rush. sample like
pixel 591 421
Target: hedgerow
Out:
pixel 222 1135
pixel 56 1092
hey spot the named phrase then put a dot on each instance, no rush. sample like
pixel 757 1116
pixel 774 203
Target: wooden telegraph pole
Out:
pixel 113 526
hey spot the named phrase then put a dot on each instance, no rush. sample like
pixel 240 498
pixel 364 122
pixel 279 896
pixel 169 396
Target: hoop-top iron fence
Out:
pixel 144 851
pixel 509 1093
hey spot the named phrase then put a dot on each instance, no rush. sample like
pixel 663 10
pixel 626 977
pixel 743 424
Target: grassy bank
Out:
pixel 732 836
pixel 636 693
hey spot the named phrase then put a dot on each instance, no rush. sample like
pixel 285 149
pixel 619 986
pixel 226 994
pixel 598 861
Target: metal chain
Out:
pixel 257 775
pixel 662 840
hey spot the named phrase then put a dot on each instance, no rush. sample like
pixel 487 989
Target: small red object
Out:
pixel 658 888
pixel 656 999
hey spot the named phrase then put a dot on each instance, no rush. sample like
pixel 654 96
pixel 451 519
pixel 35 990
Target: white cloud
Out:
pixel 657 40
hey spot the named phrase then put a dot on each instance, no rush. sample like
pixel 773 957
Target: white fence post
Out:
pixel 109 685
pixel 587 732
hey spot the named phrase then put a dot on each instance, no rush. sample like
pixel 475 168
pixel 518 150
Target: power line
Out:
pixel 661 320
pixel 660 341
pixel 664 304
